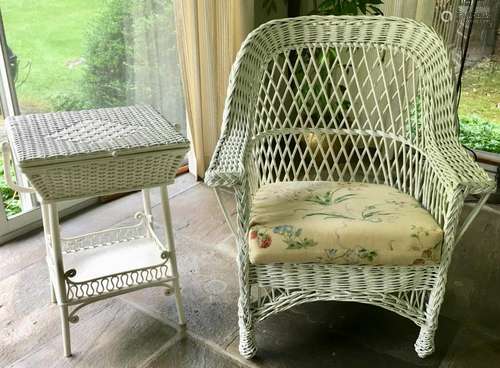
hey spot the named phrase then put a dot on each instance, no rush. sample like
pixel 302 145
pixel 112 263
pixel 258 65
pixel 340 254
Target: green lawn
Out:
pixel 481 91
pixel 49 35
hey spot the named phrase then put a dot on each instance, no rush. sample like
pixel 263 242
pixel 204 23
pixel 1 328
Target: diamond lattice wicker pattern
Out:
pixel 96 132
pixel 346 112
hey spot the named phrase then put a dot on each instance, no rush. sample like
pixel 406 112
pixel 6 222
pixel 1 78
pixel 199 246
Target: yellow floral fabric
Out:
pixel 341 223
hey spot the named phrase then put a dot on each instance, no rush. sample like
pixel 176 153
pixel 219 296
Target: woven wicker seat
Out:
pixel 345 99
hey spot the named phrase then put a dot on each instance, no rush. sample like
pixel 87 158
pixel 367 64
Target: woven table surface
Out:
pixel 40 139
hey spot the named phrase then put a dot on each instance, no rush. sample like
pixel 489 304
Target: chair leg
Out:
pixel 245 321
pixel 424 346
pixel 247 343
pixel 247 335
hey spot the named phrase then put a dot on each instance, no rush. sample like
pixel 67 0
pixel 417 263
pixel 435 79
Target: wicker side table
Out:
pixel 70 155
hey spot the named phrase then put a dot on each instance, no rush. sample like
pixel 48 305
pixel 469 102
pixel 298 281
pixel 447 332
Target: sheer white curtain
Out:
pixel 153 66
pixel 209 34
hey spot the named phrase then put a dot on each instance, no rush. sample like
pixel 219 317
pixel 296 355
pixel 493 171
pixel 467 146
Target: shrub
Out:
pixel 106 52
pixel 9 197
pixel 69 101
pixel 477 133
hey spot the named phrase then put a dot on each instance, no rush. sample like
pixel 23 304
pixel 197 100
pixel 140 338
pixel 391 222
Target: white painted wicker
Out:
pixel 365 99
pixel 68 155
pixel 145 255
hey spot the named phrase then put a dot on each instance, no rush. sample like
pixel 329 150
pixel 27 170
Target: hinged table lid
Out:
pixel 42 139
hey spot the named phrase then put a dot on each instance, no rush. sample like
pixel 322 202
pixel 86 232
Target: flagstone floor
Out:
pixel 139 329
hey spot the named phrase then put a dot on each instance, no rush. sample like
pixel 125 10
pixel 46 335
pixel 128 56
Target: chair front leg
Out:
pixel 424 346
pixel 247 345
pixel 453 205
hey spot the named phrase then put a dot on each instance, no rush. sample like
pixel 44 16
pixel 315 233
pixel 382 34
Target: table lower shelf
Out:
pixel 119 258
pixel 115 260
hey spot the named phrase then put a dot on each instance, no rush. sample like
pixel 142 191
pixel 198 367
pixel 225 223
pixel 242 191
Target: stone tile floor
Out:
pixel 139 329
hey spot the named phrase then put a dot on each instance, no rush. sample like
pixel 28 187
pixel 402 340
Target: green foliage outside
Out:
pixel 106 52
pixel 481 91
pixel 104 78
pixel 477 133
pixel 479 109
pixel 71 55
pixel 10 198
pixel 47 37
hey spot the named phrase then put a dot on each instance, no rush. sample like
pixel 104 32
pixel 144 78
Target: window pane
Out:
pixel 479 109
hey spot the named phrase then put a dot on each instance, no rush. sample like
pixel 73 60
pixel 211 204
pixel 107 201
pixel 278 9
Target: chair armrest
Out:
pixel 452 175
pixel 457 169
pixel 227 165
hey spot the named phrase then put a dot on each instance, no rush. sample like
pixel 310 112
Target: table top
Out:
pixel 48 138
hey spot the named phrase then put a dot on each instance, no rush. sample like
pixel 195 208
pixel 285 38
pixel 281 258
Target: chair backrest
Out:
pixel 341 98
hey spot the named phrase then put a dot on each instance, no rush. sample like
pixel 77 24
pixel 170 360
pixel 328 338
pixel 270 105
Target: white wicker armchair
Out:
pixel 344 100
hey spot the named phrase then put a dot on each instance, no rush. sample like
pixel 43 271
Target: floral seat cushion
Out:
pixel 341 223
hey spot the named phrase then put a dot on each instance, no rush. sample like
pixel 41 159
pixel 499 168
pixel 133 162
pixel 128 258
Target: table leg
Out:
pixel 48 247
pixel 60 286
pixel 169 237
pixel 146 200
pixel 52 294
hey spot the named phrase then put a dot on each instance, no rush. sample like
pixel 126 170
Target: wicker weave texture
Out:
pixel 68 155
pixel 105 175
pixel 366 99
pixel 40 139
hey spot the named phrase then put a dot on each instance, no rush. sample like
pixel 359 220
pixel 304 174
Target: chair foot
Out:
pixel 424 346
pixel 247 344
